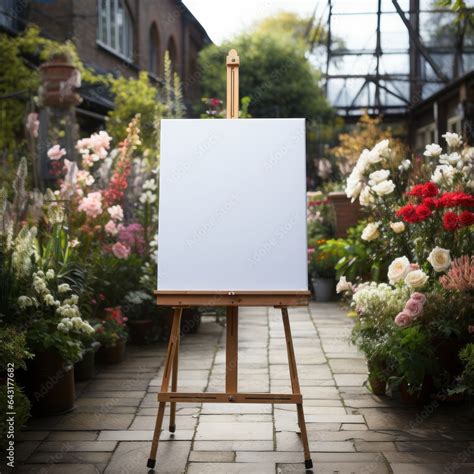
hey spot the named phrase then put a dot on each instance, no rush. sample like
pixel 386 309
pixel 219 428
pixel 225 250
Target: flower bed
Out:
pixel 417 329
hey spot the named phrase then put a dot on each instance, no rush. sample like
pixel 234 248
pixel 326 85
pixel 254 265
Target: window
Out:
pixel 426 135
pixel 115 29
pixel 8 14
pixel 154 50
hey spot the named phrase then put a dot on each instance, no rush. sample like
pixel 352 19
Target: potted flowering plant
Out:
pixel 112 334
pixel 323 273
pixel 54 331
pixel 421 213
pixel 140 308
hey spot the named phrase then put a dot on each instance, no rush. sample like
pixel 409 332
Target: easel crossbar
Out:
pixel 217 397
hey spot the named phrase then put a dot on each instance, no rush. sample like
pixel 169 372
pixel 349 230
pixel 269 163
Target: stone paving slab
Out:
pixel 350 431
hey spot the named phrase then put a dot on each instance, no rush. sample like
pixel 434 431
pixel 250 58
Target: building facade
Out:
pixel 118 36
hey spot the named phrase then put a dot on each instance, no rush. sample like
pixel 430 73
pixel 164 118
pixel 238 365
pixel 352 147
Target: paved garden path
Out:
pixel 350 430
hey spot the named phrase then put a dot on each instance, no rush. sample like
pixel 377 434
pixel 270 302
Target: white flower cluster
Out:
pixel 379 299
pixel 137 297
pixel 76 324
pixel 149 191
pixel 378 184
pixel 455 163
pixel 68 309
pixel 40 286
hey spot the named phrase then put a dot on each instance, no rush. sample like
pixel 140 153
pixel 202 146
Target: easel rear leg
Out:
pixel 170 357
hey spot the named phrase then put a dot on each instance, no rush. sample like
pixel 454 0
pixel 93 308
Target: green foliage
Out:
pixel 413 356
pixel 13 348
pixel 19 81
pixel 354 257
pixel 275 74
pixel 44 335
pixel 467 377
pixel 154 103
pixel 9 393
pixel 130 96
pixel 322 263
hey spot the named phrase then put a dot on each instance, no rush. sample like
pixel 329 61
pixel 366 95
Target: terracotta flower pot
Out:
pixel 347 213
pixel 112 355
pixel 59 82
pixel 140 331
pixel 52 384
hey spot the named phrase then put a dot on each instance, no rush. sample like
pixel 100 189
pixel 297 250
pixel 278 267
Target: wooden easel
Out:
pixel 231 300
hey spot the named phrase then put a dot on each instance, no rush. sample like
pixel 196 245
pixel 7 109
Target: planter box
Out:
pixel 52 389
pixel 347 213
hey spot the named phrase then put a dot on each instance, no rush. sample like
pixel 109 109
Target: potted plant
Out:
pixel 54 331
pixel 139 308
pixel 323 272
pixel 112 335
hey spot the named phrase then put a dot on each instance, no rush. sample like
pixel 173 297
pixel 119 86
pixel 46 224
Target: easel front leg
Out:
pixel 170 355
pixel 174 387
pixel 295 386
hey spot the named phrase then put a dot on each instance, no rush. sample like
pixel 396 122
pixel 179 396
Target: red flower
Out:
pixel 424 190
pixel 430 202
pixel 408 213
pixel 423 212
pixel 450 221
pixel 454 199
pixel 466 218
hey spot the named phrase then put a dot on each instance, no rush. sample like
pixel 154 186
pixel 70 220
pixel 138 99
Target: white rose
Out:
pixel 452 139
pixel 440 259
pixel 384 188
pixel 366 198
pixel 452 159
pixel 416 278
pixel 343 285
pixel 353 188
pixel 382 148
pixel 363 161
pixel 398 269
pixel 443 174
pixel 378 176
pixel 371 231
pixel 432 150
pixel 397 227
pixel 374 157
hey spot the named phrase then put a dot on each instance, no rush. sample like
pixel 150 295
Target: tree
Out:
pixel 274 73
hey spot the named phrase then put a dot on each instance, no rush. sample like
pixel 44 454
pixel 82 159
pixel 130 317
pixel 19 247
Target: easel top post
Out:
pixel 232 105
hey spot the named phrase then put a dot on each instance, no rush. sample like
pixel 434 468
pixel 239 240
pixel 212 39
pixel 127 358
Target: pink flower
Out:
pixel 403 319
pixel 414 307
pixel 413 266
pixel 120 250
pixel 470 329
pixel 91 204
pixel 56 153
pixel 132 236
pixel 111 228
pixel 32 124
pixel 116 212
pixel 418 296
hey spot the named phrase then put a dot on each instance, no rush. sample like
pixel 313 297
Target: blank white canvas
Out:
pixel 232 205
